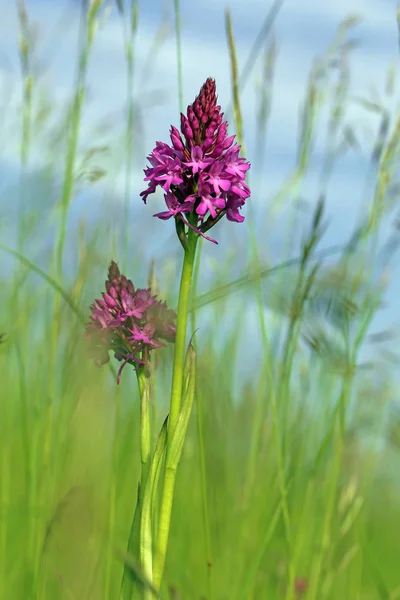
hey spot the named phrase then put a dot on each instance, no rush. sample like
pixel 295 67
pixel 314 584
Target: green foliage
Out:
pixel 288 475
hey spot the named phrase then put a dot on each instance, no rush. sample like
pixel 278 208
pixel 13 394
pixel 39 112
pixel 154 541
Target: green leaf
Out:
pixel 136 573
pixel 52 282
pixel 146 543
pixel 158 465
pixel 179 434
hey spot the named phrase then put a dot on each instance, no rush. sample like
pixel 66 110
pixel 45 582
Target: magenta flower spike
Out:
pixel 127 321
pixel 200 173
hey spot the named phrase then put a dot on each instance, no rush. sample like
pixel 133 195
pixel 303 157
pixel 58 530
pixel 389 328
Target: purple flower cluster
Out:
pixel 201 174
pixel 128 322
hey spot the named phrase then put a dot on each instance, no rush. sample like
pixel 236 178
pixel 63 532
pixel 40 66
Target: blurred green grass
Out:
pixel 295 457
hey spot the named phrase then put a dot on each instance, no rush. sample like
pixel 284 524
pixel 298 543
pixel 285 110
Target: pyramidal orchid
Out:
pixel 127 321
pixel 200 172
pixel 202 178
pixel 131 323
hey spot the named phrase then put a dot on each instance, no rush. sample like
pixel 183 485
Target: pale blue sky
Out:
pixel 304 29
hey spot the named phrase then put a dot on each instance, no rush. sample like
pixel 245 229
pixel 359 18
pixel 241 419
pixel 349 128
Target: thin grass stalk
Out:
pixel 257 46
pixel 312 107
pixel 28 87
pixel 301 295
pixel 237 113
pixel 258 421
pixel 340 429
pixel 265 105
pixel 26 58
pixel 179 52
pixel 47 491
pixel 88 23
pixel 302 534
pixel 129 30
pixel 252 276
pixel 251 575
pixel 340 94
pixel 87 32
pixel 25 52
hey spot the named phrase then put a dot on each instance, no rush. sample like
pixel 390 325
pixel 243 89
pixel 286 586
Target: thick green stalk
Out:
pixel 135 547
pixel 146 558
pixel 112 501
pixel 176 396
pixel 181 326
pixel 202 457
pixel 143 378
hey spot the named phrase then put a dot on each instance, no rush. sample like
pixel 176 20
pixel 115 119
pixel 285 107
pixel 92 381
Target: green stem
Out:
pixel 181 326
pixel 176 395
pixel 202 456
pixel 135 547
pixel 112 501
pixel 143 377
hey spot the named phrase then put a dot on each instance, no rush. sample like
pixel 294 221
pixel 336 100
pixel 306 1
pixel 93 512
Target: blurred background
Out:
pixel 290 473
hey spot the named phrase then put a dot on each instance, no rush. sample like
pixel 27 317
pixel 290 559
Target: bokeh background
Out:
pixel 318 88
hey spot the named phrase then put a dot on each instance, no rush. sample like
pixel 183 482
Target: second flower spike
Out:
pixel 127 321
